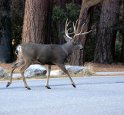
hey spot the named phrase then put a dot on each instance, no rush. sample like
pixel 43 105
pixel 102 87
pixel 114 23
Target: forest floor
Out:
pixel 119 67
pixel 93 69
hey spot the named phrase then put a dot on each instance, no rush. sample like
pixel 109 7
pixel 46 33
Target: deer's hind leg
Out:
pixel 16 65
pixel 24 67
pixel 62 67
pixel 48 76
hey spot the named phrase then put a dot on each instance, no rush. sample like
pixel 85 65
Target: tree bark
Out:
pixel 77 58
pixel 105 44
pixel 36 17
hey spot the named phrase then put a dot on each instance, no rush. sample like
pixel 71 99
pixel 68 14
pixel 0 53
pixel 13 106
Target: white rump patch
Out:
pixel 19 48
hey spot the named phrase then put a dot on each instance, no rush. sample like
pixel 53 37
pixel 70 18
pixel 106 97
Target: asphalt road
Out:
pixel 93 96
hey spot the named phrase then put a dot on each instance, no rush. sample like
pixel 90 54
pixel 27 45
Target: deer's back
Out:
pixel 45 54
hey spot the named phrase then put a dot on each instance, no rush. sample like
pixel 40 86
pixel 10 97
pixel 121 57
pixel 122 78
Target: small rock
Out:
pixel 71 69
pixel 3 72
pixel 35 70
pixel 74 69
pixel 56 73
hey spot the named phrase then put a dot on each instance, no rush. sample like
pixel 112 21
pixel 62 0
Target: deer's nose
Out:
pixel 81 47
pixel 16 52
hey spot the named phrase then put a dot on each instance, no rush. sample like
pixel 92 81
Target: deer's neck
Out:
pixel 67 48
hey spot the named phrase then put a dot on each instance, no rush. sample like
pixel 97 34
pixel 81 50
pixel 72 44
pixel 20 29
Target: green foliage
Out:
pixel 71 11
pixel 118 47
pixel 58 14
pixel 16 30
pixel 17 15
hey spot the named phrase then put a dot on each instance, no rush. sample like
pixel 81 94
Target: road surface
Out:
pixel 93 96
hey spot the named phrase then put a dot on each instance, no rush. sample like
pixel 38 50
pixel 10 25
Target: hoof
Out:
pixel 28 88
pixel 8 84
pixel 74 85
pixel 48 87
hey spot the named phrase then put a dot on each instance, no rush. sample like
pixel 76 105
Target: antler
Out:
pixel 75 29
pixel 75 26
pixel 66 30
pixel 81 31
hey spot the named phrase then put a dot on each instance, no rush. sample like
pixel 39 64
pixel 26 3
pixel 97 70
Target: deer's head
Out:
pixel 73 39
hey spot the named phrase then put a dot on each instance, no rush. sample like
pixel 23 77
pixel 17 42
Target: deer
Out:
pixel 47 54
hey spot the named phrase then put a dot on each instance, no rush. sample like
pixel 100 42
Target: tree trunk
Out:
pixel 5 32
pixel 36 17
pixel 77 58
pixel 105 45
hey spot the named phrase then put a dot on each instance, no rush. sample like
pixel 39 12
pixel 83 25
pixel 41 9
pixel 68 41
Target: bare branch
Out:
pixel 90 3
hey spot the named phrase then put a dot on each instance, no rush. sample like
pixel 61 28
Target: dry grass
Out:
pixel 119 67
pixel 89 70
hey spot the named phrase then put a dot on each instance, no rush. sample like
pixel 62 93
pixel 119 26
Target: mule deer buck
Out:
pixel 51 54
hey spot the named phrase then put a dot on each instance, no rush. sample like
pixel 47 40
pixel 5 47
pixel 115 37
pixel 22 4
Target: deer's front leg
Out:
pixel 62 67
pixel 48 76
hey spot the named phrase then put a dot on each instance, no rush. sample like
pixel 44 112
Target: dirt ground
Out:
pixel 107 67
pixel 96 67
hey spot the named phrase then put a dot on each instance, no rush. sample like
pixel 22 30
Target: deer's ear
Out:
pixel 66 38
